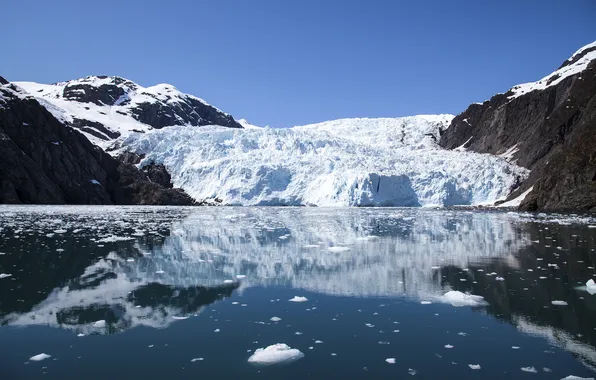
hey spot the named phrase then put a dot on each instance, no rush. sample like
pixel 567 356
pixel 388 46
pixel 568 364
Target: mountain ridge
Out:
pixel 545 130
pixel 536 125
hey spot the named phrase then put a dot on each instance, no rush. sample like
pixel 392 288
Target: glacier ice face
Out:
pixel 348 162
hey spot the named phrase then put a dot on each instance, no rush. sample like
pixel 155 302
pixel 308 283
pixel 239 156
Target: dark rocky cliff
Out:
pixel 551 131
pixel 44 161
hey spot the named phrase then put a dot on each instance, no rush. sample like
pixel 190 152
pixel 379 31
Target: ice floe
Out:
pixel 298 299
pixel 529 369
pixel 40 357
pixel 559 303
pixel 457 298
pixel 590 286
pixel 279 353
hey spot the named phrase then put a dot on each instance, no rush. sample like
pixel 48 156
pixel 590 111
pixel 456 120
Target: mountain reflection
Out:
pixel 147 266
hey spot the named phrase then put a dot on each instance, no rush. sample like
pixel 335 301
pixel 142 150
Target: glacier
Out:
pixel 346 162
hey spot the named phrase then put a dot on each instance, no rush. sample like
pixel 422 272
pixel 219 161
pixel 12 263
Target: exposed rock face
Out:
pixel 551 131
pixel 185 111
pixel 44 161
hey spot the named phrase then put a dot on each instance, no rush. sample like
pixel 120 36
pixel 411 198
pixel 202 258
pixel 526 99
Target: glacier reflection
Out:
pixel 380 252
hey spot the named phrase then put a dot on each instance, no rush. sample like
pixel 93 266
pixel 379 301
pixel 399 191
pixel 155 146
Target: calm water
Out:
pixel 165 282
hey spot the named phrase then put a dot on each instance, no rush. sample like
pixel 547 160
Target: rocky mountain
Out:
pixel 44 160
pixel 104 108
pixel 549 127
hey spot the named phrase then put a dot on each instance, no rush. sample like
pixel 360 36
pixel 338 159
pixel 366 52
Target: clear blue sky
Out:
pixel 293 62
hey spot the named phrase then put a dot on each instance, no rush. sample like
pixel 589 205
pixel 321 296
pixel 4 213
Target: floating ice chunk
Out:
pixel 275 354
pixel 457 298
pixel 448 346
pixel 338 249
pixel 240 276
pixel 275 319
pixel 311 246
pixel 178 318
pixel 40 357
pixel 80 334
pixel 474 366
pixel 99 324
pixel 235 303
pixel 159 272
pixel 60 231
pixel 114 238
pixel 435 267
pixel 412 371
pixel 572 377
pixel 130 260
pixel 529 369
pixel 390 360
pixel 559 303
pixel 298 299
pixel 333 354
pixel 590 286
pixel 228 281
pixel 500 279
pixel 425 302
pixel 5 275
pixel 318 341
pixel 196 360
pixel 515 347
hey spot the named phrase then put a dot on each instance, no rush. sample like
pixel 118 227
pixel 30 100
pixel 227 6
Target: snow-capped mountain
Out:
pixel 478 157
pixel 348 162
pixel 547 126
pixel 106 107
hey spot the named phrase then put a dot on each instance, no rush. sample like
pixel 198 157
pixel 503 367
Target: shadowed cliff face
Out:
pixel 44 161
pixel 551 131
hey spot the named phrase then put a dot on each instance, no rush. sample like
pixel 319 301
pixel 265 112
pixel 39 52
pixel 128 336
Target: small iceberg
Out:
pixel 99 324
pixel 559 303
pixel 5 275
pixel 458 299
pixel 390 360
pixel 275 354
pixel 298 299
pixel 529 369
pixel 590 286
pixel 474 366
pixel 275 319
pixel 40 357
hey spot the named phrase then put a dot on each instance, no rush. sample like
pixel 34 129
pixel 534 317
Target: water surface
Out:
pixel 169 284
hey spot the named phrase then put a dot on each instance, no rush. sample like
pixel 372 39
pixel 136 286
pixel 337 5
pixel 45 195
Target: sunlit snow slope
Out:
pixel 104 108
pixel 348 162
